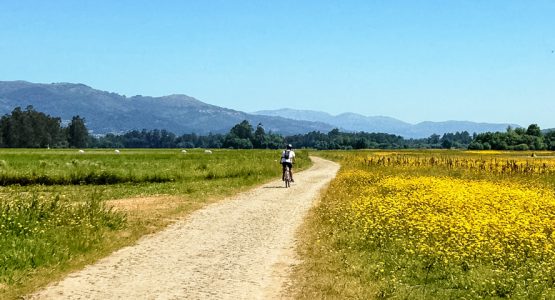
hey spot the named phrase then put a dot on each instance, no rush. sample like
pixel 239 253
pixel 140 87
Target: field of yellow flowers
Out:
pixel 429 224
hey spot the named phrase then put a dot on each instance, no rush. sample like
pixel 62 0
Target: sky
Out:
pixel 436 60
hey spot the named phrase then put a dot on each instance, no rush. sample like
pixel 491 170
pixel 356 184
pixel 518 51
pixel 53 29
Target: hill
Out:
pixel 107 112
pixel 345 121
pixel 357 122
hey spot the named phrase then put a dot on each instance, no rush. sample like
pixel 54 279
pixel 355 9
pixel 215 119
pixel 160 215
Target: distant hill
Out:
pixel 345 121
pixel 428 128
pixel 357 122
pixel 107 112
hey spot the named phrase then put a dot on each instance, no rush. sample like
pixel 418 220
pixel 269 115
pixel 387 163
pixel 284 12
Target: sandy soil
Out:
pixel 239 248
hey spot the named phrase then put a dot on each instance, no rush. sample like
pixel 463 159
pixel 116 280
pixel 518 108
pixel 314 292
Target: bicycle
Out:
pixel 287 177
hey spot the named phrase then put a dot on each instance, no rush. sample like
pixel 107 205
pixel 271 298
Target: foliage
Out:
pixel 31 129
pixel 423 225
pixel 336 139
pixel 153 139
pixel 241 136
pixel 77 133
pixel 38 230
pixel 514 139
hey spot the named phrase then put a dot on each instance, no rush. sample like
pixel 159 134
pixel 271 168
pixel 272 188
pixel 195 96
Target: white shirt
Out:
pixel 288 160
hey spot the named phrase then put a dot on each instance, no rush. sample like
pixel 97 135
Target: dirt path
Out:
pixel 240 248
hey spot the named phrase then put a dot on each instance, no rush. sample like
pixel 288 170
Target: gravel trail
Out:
pixel 239 248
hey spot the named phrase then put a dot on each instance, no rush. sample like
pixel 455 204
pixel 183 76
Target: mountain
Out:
pixel 106 112
pixel 357 122
pixel 345 121
pixel 428 128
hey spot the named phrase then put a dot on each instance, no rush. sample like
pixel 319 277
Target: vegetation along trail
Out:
pixel 238 248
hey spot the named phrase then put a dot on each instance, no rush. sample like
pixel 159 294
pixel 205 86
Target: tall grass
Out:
pixel 38 231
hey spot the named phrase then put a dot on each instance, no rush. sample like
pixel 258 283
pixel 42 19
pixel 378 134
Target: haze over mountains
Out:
pixel 107 112
pixel 357 122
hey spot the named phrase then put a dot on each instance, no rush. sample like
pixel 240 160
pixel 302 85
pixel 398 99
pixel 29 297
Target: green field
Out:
pixel 57 212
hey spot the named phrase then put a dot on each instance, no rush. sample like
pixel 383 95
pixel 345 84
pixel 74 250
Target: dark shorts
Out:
pixel 287 164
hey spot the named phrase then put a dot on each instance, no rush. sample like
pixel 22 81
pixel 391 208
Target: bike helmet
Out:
pixel 289 146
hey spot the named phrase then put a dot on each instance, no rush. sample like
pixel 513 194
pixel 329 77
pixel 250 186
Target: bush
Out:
pixel 521 147
pixel 476 146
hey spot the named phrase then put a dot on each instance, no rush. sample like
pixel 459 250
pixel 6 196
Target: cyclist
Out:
pixel 287 159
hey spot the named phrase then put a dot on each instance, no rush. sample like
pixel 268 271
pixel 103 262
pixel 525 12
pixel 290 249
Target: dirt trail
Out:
pixel 239 248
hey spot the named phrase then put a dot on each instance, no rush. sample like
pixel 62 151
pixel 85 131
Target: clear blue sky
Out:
pixel 489 61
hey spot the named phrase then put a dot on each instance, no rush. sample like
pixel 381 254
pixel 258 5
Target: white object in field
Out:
pixel 183 151
pixel 117 151
pixel 81 151
pixel 208 151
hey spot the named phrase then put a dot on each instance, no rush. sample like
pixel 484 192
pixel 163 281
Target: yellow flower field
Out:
pixel 452 220
pixel 422 225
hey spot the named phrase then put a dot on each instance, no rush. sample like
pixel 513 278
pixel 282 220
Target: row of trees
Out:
pixel 531 138
pixel 363 140
pixel 32 129
pixel 241 136
pixel 343 140
pixel 244 136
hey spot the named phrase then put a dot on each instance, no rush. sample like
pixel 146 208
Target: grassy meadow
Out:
pixel 432 225
pixel 62 209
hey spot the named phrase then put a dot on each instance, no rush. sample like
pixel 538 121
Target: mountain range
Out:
pixel 357 122
pixel 107 112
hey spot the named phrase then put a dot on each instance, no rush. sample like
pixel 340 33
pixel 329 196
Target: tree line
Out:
pixel 241 136
pixel 531 138
pixel 31 129
pixel 244 136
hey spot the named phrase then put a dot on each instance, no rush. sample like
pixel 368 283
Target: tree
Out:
pixel 534 130
pixel 234 142
pixel 446 144
pixel 240 136
pixel 30 129
pixel 242 130
pixel 274 141
pixel 260 140
pixel 77 133
pixel 434 139
pixel 520 131
pixel 476 146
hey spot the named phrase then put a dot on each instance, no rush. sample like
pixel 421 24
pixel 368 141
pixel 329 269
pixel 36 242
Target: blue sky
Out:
pixel 487 61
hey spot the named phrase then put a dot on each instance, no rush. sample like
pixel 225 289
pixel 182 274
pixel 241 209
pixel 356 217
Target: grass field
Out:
pixel 58 211
pixel 432 225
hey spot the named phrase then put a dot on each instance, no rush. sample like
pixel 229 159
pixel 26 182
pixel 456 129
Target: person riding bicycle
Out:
pixel 287 159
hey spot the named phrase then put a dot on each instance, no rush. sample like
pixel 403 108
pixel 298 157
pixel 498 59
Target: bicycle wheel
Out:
pixel 287 177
